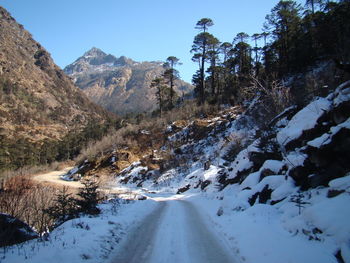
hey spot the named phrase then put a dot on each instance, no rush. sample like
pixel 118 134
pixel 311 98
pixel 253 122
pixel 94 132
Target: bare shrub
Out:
pixel 234 143
pixel 26 201
pixel 274 97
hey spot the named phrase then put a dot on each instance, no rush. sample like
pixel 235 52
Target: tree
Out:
pixel 213 57
pixel 283 24
pixel 171 74
pixel 204 23
pixel 159 84
pixel 89 197
pixel 199 48
pixel 242 53
pixel 225 49
pixel 313 3
pixel 298 199
pixel 256 49
pixel 64 208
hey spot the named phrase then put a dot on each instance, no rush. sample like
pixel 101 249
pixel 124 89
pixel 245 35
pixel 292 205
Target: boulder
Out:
pixel 14 231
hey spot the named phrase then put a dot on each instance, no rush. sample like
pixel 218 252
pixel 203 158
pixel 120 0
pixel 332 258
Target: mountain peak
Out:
pixel 94 52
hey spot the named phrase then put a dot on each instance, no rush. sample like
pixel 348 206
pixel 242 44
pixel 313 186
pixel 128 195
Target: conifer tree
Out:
pixel 199 48
pixel 65 207
pixel 171 74
pixel 89 197
pixel 159 84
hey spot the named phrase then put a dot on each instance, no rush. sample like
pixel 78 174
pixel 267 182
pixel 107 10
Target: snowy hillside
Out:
pixel 286 187
pixel 273 195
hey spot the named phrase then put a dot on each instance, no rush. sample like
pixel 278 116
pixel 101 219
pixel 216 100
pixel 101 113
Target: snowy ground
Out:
pixel 200 227
pixel 175 232
pixel 207 225
pixel 86 239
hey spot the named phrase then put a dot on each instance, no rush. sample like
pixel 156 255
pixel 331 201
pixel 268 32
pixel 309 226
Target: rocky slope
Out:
pixel 120 85
pixel 287 183
pixel 37 100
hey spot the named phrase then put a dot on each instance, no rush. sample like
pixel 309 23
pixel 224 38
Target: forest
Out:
pixel 293 40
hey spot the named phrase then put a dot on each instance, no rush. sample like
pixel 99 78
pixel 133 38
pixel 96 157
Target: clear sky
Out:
pixel 144 30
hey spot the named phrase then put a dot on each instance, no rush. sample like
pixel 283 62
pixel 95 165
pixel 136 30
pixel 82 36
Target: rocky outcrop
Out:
pixel 120 85
pixel 14 231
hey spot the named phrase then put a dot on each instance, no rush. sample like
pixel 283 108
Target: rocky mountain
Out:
pixel 37 100
pixel 120 85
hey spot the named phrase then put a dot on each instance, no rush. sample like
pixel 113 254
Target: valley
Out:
pixel 112 159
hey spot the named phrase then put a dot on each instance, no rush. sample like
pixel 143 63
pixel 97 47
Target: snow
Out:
pixel 261 233
pixel 284 190
pixel 304 120
pixel 90 239
pixel 341 94
pixel 211 173
pixel 345 252
pixel 242 161
pixel 251 180
pixel 295 158
pixel 327 137
pixel 273 165
pixel 257 234
pixel 341 183
pixel 332 216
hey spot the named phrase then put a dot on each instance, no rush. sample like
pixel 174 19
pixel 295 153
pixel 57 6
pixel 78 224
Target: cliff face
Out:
pixel 120 85
pixel 38 101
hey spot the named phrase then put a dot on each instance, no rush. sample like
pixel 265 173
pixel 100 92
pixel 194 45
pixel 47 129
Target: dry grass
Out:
pixel 143 137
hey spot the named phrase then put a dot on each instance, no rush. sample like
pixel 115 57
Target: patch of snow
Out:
pixel 341 183
pixel 305 119
pixel 332 216
pixel 327 137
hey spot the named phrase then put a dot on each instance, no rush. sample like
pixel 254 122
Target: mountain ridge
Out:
pixel 38 101
pixel 120 85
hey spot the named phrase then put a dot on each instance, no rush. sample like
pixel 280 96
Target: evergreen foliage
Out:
pixel 64 208
pixel 19 152
pixel 293 38
pixel 89 197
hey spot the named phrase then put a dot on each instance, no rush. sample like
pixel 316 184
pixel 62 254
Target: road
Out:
pixel 54 178
pixel 174 233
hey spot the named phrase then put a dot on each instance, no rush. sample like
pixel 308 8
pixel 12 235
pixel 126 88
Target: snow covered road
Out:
pixel 174 232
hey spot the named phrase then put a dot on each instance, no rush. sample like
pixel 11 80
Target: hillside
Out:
pixel 264 191
pixel 120 85
pixel 252 167
pixel 38 102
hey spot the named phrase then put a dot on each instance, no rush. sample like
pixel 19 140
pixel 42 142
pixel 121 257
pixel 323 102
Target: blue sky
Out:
pixel 140 29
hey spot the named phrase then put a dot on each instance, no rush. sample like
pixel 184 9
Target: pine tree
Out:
pixel 89 197
pixel 298 199
pixel 65 207
pixel 283 24
pixel 159 84
pixel 171 74
pixel 199 48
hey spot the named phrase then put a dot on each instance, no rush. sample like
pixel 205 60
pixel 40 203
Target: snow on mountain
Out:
pixel 274 195
pixel 282 194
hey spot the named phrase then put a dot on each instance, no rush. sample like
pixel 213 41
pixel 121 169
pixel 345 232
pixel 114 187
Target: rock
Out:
pixel 220 211
pixel 333 193
pixel 264 196
pixel 120 85
pixel 205 184
pixel 183 189
pixel 14 231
